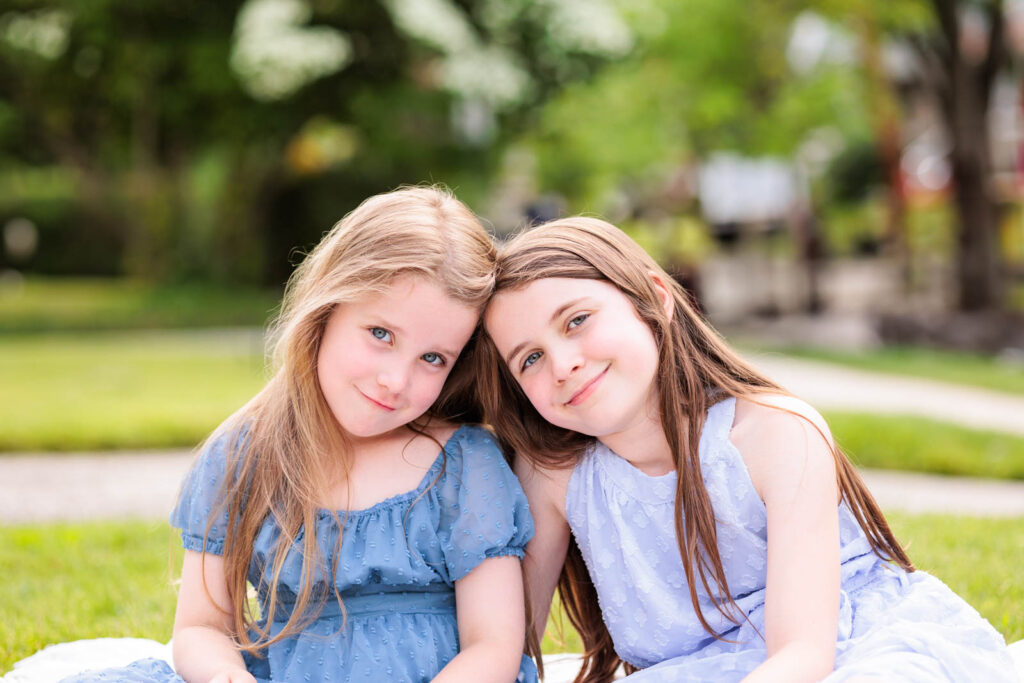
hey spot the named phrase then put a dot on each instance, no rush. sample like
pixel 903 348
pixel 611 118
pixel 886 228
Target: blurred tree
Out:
pixel 708 76
pixel 712 75
pixel 962 60
pixel 961 47
pixel 214 138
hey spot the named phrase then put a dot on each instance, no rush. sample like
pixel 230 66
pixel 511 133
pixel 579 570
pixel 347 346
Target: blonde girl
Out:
pixel 373 522
pixel 700 523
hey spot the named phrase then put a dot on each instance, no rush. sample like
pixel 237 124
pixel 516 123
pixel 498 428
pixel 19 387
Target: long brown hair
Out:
pixel 695 369
pixel 288 439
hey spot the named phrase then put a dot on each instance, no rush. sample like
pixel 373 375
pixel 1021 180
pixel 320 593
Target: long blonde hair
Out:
pixel 287 435
pixel 695 369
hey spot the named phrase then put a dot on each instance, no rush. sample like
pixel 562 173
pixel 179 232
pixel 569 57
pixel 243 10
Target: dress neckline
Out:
pixel 399 498
pixel 644 487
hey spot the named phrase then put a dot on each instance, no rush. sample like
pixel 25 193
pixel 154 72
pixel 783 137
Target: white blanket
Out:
pixel 55 662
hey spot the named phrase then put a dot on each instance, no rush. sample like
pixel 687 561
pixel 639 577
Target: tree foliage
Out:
pixel 209 140
pixel 711 75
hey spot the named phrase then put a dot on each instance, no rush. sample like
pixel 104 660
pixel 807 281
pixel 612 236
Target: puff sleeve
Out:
pixel 201 496
pixel 484 512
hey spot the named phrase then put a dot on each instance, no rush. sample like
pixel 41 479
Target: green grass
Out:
pixel 122 390
pixel 980 559
pixel 956 367
pixel 899 442
pixel 65 582
pixel 47 304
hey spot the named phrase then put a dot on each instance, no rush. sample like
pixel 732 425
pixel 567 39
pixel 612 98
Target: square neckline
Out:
pixel 344 514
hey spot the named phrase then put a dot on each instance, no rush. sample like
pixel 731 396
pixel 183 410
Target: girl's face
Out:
pixel 384 358
pixel 580 352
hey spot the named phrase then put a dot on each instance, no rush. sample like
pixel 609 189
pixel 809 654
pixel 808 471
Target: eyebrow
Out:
pixel 399 331
pixel 558 312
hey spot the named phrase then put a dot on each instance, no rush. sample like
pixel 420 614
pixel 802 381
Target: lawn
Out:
pixel 64 582
pixel 921 445
pixel 50 304
pixel 109 390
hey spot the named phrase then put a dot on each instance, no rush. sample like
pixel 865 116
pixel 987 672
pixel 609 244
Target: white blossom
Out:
pixel 44 32
pixel 275 54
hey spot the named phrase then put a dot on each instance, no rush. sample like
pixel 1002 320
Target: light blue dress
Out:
pixel 893 625
pixel 396 571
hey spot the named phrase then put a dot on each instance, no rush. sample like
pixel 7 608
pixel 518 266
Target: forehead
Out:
pixel 533 305
pixel 417 303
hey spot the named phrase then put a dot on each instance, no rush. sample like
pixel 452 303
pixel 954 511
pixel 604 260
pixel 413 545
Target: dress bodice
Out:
pixel 395 570
pixel 624 523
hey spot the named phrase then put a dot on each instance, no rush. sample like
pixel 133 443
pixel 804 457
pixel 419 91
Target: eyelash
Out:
pixel 581 317
pixel 387 334
pixel 438 362
pixel 526 364
pixel 441 362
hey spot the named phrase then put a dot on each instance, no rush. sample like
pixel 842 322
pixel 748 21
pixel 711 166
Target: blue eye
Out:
pixel 578 320
pixel 381 334
pixel 530 360
pixel 434 359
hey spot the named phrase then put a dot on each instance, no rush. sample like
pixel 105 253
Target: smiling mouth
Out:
pixel 377 403
pixel 587 389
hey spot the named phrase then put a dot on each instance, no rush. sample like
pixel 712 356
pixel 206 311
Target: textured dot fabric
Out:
pixel 396 570
pixel 893 625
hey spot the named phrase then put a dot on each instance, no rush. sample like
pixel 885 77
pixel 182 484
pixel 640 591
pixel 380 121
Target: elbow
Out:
pixel 803 661
pixel 505 657
pixel 820 659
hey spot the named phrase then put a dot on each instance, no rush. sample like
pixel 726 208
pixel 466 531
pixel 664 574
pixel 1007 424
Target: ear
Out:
pixel 664 292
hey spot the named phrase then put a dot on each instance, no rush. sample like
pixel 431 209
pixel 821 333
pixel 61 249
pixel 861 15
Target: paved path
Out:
pixel 828 386
pixel 41 488
pixel 36 488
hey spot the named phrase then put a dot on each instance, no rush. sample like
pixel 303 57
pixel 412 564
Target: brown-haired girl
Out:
pixel 699 522
pixel 374 528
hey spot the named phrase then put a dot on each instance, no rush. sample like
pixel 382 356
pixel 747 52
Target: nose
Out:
pixel 394 377
pixel 565 360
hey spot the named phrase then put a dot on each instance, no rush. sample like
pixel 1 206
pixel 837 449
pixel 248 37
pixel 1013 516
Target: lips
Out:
pixel 584 392
pixel 377 403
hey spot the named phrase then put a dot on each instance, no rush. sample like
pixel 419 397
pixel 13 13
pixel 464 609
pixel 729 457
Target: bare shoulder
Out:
pixel 779 437
pixel 440 430
pixel 545 487
pixel 763 414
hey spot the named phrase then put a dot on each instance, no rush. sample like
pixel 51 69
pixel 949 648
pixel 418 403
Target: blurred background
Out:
pixel 836 182
pixel 834 156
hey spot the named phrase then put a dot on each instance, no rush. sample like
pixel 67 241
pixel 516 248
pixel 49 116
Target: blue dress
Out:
pixel 396 571
pixel 894 625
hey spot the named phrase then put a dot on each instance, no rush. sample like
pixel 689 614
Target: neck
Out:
pixel 644 446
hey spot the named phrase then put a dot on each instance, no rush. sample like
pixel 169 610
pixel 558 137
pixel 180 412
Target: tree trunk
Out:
pixel 979 269
pixel 978 264
pixel 965 93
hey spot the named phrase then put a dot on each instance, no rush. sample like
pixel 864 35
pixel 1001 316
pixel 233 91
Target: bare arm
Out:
pixel 491 631
pixel 792 467
pixel 203 647
pixel 545 553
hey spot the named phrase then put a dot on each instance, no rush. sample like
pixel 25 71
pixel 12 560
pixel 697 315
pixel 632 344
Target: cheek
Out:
pixel 428 388
pixel 536 393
